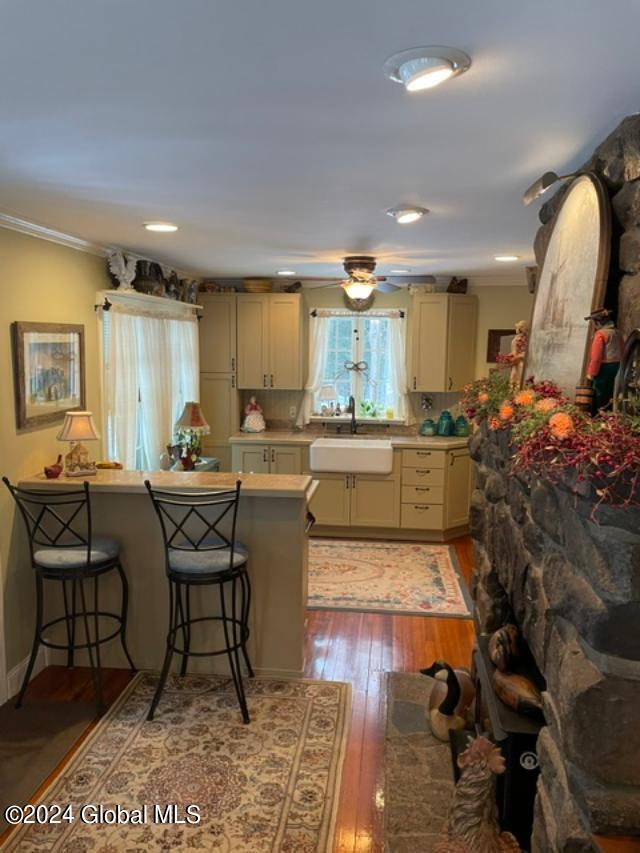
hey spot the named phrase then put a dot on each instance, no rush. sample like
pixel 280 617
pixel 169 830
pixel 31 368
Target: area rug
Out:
pixel 271 785
pixel 418 771
pixel 385 577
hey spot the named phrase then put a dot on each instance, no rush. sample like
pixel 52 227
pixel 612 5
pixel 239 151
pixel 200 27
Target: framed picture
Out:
pixel 49 372
pixel 499 343
pixel 571 284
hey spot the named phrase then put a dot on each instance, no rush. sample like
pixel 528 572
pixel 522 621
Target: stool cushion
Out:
pixel 192 562
pixel 103 549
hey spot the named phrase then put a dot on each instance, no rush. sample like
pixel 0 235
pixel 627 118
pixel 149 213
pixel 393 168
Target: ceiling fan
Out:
pixel 361 282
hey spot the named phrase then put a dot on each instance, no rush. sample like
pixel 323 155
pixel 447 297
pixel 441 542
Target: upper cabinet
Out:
pixel 269 334
pixel 218 333
pixel 442 341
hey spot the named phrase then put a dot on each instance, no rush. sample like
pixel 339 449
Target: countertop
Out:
pixel 303 438
pixel 132 482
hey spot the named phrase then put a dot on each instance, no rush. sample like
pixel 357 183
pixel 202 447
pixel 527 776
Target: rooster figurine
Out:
pixel 123 269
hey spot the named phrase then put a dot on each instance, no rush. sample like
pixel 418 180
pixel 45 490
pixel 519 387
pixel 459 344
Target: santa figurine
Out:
pixel 254 419
pixel 604 358
pixel 515 359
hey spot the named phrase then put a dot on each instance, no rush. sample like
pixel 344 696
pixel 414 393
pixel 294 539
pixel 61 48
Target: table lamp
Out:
pixel 190 426
pixel 78 427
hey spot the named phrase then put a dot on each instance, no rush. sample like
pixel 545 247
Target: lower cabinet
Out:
pixel 358 500
pixel 459 474
pixel 267 458
pixel 331 503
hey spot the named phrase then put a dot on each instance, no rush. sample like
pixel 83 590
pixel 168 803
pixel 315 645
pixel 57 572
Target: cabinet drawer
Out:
pixel 423 476
pixel 422 494
pixel 423 458
pixel 422 516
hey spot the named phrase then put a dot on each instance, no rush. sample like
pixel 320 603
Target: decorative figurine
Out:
pixel 518 353
pixel 428 427
pixel 450 698
pixel 504 647
pixel 472 824
pixel 52 472
pixel 604 358
pixel 517 692
pixel 254 419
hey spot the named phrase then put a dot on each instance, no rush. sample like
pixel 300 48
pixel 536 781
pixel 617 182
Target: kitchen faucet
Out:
pixel 354 424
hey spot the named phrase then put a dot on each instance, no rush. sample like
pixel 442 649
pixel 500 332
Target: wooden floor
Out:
pixel 353 647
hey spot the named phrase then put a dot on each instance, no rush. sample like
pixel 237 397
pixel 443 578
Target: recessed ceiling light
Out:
pixel 399 272
pixel 161 227
pixel 425 67
pixel 286 272
pixel 405 215
pixel 506 259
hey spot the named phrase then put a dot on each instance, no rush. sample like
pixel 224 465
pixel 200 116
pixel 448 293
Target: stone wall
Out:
pixel 572 584
pixel 617 162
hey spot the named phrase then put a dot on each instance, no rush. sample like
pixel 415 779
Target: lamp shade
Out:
pixel 78 426
pixel 192 419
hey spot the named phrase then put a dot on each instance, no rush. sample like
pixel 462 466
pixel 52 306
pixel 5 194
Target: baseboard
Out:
pixel 16 675
pixel 389 533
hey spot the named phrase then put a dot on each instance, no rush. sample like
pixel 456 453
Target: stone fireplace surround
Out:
pixel 572 584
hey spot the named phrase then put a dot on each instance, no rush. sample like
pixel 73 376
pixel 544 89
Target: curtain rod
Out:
pixel 344 313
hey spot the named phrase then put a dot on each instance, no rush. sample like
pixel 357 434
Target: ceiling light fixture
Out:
pixel 400 272
pixel 285 272
pixel 405 215
pixel 540 186
pixel 506 259
pixel 161 227
pixel 426 67
pixel 360 284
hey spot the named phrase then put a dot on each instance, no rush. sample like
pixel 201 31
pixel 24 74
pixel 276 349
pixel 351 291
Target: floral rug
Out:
pixel 385 577
pixel 271 785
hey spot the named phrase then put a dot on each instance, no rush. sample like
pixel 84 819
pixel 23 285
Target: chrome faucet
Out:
pixel 354 423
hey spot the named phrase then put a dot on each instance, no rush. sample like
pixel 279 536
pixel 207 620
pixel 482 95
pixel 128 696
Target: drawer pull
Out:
pixel 421 507
pixel 423 488
pixel 423 452
pixel 422 471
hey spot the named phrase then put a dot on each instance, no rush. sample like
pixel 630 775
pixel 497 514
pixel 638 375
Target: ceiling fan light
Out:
pixel 424 73
pixel 358 289
pixel 406 215
pixel 161 227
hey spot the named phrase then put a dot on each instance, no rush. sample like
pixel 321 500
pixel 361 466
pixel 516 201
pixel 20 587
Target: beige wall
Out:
pixel 499 307
pixel 40 281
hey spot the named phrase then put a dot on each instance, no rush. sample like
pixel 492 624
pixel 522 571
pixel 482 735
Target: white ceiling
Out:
pixel 267 131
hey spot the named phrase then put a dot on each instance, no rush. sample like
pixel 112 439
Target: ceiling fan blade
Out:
pixel 386 287
pixel 318 284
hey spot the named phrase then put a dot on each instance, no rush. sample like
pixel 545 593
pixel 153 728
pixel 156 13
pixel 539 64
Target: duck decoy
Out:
pixel 450 698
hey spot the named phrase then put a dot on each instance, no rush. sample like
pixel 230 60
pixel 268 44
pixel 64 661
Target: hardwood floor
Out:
pixel 342 646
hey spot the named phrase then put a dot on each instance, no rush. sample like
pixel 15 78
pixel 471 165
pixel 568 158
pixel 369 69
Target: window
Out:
pixel 361 356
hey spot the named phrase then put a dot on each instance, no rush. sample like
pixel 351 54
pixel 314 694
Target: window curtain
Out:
pixel 151 368
pixel 398 365
pixel 318 344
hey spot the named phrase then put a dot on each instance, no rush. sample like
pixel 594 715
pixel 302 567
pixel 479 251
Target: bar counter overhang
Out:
pixel 272 517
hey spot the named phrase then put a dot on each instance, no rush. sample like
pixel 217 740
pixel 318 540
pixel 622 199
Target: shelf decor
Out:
pixel 49 372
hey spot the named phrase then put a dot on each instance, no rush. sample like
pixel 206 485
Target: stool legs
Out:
pixel 232 648
pixel 70 618
pixel 36 641
pixel 95 669
pixel 123 616
pixel 171 638
pixel 186 626
pixel 246 603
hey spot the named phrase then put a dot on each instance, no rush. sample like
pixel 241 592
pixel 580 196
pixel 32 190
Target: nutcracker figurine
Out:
pixel 515 359
pixel 604 358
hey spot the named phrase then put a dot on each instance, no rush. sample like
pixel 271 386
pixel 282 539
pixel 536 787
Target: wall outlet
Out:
pixel 292 411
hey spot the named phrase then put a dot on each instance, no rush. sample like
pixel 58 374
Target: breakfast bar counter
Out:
pixel 271 524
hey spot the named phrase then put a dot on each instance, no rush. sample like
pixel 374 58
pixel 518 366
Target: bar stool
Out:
pixel 197 553
pixel 63 548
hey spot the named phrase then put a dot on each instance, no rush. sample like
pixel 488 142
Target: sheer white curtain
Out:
pixel 151 368
pixel 318 344
pixel 398 364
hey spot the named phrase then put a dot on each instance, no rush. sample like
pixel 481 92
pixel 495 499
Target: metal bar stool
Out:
pixel 198 553
pixel 63 548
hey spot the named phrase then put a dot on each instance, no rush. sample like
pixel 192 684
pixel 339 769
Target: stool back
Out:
pixel 191 521
pixel 55 519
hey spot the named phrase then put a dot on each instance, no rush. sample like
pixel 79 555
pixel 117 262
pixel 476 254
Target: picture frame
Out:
pixel 49 372
pixel 498 343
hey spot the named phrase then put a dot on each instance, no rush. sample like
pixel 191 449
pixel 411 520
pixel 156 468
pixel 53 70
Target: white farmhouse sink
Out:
pixel 351 455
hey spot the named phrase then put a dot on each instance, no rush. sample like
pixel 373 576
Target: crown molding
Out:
pixel 14 223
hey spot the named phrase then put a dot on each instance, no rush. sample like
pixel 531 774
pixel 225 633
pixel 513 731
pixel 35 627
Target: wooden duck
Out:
pixel 450 698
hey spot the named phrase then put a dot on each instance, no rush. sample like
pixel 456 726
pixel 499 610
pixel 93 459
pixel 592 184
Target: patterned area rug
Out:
pixel 269 786
pixel 418 771
pixel 385 577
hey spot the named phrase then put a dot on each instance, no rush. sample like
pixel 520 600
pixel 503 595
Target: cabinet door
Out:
pixel 220 405
pixel 330 503
pixel 218 333
pixel 457 488
pixel 250 458
pixel 253 343
pixel 285 460
pixel 375 501
pixel 461 341
pixel 285 350
pixel 428 342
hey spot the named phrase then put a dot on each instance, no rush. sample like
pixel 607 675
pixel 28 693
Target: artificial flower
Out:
pixel 525 397
pixel 506 411
pixel 547 404
pixel 483 397
pixel 562 425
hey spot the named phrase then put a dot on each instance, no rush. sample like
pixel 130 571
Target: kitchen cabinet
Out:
pixel 269 340
pixel 267 459
pixel 458 488
pixel 217 332
pixel 331 503
pixel 220 405
pixel 442 341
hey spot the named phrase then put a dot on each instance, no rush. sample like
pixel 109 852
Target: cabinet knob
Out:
pixel 264 380
pixel 265 457
pixel 414 383
pixel 233 381
pixel 453 459
pixel 233 365
pixel 273 455
pixel 450 383
pixel 348 479
pixel 272 380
